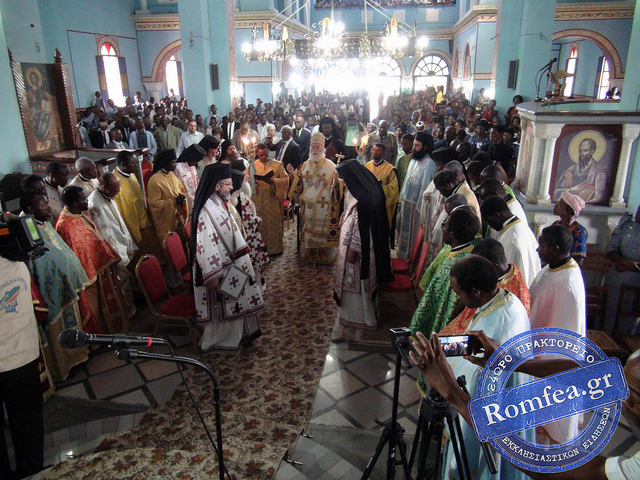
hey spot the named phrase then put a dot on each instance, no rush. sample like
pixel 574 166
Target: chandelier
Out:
pixel 329 41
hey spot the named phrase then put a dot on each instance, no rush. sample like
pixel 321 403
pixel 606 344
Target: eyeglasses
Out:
pixel 227 184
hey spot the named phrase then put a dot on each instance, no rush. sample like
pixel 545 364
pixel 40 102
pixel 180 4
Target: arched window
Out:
pixel 602 79
pixel 467 63
pixel 431 71
pixel 112 74
pixel 572 67
pixel 173 73
pixel 383 77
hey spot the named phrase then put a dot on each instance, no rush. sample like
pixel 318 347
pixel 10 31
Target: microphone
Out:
pixel 74 338
pixel 549 65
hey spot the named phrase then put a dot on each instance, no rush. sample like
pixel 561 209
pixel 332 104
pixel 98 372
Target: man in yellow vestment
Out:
pixel 167 196
pixel 387 175
pixel 132 207
pixel 319 189
pixel 271 182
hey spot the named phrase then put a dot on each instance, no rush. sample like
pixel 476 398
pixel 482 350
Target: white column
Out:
pixel 536 157
pixel 540 221
pixel 287 7
pixel 629 134
pixel 143 7
pixel 552 132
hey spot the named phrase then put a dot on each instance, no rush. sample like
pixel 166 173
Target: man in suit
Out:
pixel 229 126
pixel 100 137
pixel 116 140
pixel 302 137
pixel 287 150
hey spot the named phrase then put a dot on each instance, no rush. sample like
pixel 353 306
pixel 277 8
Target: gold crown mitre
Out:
pixel 317 137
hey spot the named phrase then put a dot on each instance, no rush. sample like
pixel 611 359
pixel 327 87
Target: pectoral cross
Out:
pixel 339 158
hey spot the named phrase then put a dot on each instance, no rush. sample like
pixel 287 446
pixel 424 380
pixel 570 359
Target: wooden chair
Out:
pixel 400 265
pixel 175 251
pixel 628 306
pixel 594 268
pixel 187 228
pixel 177 310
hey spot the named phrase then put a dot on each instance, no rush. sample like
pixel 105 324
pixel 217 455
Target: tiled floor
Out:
pixel 355 389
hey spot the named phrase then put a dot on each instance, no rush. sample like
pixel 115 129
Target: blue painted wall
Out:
pixel 63 20
pixel 14 152
pixel 151 44
pixel 20 35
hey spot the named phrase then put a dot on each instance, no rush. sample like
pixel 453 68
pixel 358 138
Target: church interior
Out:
pixel 295 404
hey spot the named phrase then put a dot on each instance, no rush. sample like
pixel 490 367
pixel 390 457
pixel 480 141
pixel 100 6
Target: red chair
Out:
pixel 175 252
pixel 400 265
pixel 405 283
pixel 177 310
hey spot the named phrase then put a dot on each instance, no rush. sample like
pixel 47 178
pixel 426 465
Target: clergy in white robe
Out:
pixel 419 174
pixel 227 292
pixel 492 186
pixel 104 212
pixel 558 300
pixel 186 170
pixel 501 315
pixel 519 242
pixel 364 256
pixel 54 182
pixel 87 177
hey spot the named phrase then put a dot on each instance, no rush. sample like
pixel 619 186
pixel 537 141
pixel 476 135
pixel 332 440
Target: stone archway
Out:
pixel 603 43
pixel 155 82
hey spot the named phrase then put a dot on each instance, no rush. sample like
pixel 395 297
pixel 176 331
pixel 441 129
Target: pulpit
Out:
pixel 579 147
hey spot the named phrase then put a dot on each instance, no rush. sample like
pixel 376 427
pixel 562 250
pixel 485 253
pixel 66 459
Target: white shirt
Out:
pixel 19 342
pixel 623 468
pixel 520 247
pixel 187 139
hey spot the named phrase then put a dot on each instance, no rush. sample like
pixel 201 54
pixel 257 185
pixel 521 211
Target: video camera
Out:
pixel 20 238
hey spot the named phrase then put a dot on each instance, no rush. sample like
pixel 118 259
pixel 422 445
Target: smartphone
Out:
pixel 459 345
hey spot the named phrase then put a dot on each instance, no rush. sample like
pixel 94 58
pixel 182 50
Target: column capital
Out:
pixel 553 130
pixel 630 132
pixel 541 219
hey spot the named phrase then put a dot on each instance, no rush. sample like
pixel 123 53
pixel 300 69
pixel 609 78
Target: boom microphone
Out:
pixel 74 338
pixel 549 65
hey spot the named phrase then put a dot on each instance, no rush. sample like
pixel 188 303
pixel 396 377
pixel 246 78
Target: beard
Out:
pixel 316 156
pixel 419 155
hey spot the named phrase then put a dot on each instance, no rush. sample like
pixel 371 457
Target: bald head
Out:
pixel 87 168
pixel 457 168
pixel 493 171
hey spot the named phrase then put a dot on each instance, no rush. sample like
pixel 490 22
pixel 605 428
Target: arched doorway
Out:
pixel 383 78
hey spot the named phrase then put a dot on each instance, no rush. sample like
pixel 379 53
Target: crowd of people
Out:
pixel 429 162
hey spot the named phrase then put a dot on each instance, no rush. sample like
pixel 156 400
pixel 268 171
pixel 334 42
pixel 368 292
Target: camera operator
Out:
pixel 20 391
pixel 431 361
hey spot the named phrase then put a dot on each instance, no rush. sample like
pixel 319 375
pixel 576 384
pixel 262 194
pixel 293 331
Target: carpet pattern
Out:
pixel 267 393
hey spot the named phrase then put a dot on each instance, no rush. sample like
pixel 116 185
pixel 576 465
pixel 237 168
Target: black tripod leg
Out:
pixel 384 438
pixel 463 448
pixel 416 441
pixel 435 431
pixel 402 448
pixel 455 440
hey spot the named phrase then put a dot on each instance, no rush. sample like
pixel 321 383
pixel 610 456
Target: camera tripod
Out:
pixel 434 410
pixel 393 432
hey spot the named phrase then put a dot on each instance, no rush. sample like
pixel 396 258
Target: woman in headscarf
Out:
pixel 333 144
pixel 166 196
pixel 568 208
pixel 364 257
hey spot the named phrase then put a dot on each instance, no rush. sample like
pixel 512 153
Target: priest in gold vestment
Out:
pixel 270 192
pixel 167 196
pixel 387 175
pixel 319 189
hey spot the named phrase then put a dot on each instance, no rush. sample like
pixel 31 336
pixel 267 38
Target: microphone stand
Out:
pixel 547 70
pixel 124 354
pixel 75 137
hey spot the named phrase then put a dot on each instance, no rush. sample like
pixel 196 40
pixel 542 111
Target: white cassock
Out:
pixel 502 318
pixel 88 185
pixel 517 210
pixel 189 178
pixel 520 248
pixel 558 300
pixel 228 322
pixel 105 214
pixel 418 177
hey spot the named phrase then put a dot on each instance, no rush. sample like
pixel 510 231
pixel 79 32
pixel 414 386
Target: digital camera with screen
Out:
pixel 20 238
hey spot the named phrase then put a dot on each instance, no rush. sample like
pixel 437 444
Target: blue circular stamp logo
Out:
pixel 596 386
